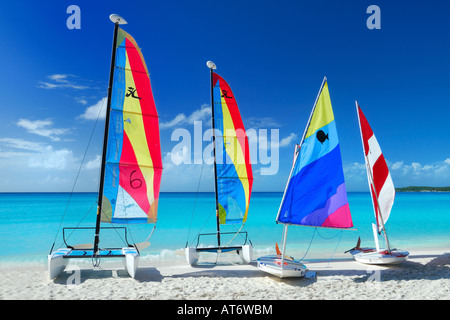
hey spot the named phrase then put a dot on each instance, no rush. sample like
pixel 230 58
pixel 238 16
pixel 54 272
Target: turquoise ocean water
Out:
pixel 29 224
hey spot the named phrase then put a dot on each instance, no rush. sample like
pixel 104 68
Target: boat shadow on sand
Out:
pixel 436 269
pixel 217 270
pixel 79 276
pixel 226 270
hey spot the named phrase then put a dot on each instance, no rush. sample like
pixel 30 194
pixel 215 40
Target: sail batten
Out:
pixel 133 164
pixel 316 194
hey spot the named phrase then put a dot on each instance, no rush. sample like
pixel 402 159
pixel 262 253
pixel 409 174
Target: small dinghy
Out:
pixel 383 194
pixel 378 256
pixel 315 194
pixel 272 264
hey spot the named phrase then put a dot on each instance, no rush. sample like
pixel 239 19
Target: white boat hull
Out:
pixel 191 256
pixel 57 263
pixel 380 257
pixel 291 267
pixel 245 252
pixel 131 260
pixel 58 260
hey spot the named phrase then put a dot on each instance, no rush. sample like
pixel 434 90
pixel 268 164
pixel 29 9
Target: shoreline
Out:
pixel 424 276
pixel 166 257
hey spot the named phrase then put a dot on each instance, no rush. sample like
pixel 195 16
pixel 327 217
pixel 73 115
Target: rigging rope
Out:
pixel 340 237
pixel 195 203
pixel 82 219
pixel 325 238
pixel 310 242
pixel 77 176
pixel 235 235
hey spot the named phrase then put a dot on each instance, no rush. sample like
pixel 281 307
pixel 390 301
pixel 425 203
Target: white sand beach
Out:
pixel 425 276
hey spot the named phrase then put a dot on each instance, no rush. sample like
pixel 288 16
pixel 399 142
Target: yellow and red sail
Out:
pixel 133 164
pixel 234 170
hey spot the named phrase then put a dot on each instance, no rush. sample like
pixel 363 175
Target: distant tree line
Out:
pixel 422 189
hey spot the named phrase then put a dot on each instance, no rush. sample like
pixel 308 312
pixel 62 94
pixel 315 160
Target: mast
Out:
pixel 285 230
pixel 378 204
pixel 372 185
pixel 117 20
pixel 211 67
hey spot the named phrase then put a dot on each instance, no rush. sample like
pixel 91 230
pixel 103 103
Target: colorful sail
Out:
pixel 133 164
pixel 315 194
pixel 234 170
pixel 380 181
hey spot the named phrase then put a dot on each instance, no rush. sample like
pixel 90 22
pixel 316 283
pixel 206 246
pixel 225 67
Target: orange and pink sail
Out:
pixel 133 164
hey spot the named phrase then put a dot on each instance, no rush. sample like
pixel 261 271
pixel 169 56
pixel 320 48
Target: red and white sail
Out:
pixel 380 181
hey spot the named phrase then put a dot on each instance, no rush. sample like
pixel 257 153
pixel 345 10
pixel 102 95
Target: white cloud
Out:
pixel 397 165
pixel 355 175
pixel 288 140
pixel 355 167
pixel 403 174
pixel 21 144
pixel 35 155
pixel 47 85
pixel 204 113
pixel 42 128
pixel 95 111
pixel 178 120
pixel 181 119
pixel 198 115
pixel 61 81
pixel 81 100
pixel 94 163
pixel 59 77
pixel 180 176
pixel 415 169
pixel 51 159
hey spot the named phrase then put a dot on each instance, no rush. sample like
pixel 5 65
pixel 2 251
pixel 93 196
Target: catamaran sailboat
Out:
pixel 131 165
pixel 233 177
pixel 383 194
pixel 315 193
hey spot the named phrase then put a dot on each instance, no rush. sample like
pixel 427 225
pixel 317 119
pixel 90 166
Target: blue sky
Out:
pixel 274 55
